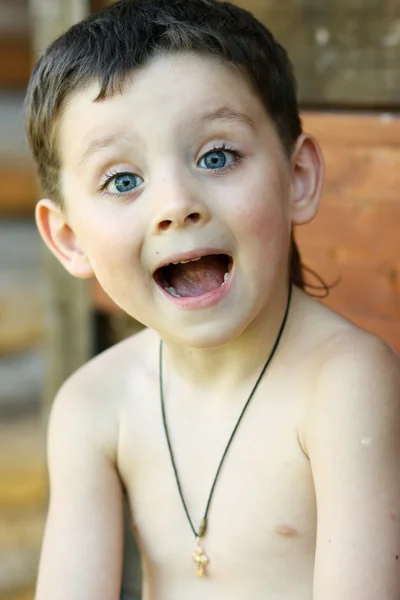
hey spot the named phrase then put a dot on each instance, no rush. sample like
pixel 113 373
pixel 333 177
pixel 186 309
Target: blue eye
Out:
pixel 122 183
pixel 217 160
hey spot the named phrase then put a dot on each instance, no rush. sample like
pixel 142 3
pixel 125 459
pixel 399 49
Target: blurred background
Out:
pixel 347 59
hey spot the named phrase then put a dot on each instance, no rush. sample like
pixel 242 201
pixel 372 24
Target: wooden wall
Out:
pixel 355 236
pixel 18 189
pixel 15 44
pixel 345 52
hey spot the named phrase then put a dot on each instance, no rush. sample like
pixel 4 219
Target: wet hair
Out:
pixel 107 47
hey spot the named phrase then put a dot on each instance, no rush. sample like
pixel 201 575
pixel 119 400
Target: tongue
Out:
pixel 199 277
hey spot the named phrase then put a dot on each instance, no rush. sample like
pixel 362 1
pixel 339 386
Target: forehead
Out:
pixel 171 92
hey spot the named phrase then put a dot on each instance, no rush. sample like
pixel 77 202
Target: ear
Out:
pixel 61 240
pixel 307 166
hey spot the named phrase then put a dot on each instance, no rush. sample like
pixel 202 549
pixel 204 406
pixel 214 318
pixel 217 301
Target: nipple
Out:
pixel 286 530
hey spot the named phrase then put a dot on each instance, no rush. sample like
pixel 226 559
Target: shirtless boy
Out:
pixel 168 132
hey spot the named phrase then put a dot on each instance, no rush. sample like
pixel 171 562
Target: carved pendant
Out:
pixel 200 559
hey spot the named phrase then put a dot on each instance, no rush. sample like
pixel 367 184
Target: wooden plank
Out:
pixel 368 177
pixel 18 185
pixel 50 24
pixel 363 295
pixel 345 52
pixel 14 17
pixel 18 189
pixel 23 501
pixel 22 287
pixel 98 5
pixel 15 61
pixel 355 234
pixel 353 128
pixel 69 327
pixel 362 154
pixel 15 44
pixel 21 377
pixel 23 477
pixel 24 594
pixel 69 323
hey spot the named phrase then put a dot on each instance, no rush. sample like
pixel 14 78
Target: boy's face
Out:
pixel 185 163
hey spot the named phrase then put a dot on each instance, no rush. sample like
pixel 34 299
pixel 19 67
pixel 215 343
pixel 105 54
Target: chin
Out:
pixel 206 335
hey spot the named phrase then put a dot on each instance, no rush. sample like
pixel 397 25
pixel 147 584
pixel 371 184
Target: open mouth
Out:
pixel 195 277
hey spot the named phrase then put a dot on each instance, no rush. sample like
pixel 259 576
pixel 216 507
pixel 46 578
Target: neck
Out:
pixel 234 363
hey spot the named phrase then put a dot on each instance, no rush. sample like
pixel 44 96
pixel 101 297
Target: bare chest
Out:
pixel 262 513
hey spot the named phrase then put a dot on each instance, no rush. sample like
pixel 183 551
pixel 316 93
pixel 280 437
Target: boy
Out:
pixel 170 149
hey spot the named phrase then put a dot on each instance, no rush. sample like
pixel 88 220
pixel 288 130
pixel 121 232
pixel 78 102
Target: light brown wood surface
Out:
pixel 18 188
pixel 345 52
pixel 356 233
pixel 23 501
pixel 15 44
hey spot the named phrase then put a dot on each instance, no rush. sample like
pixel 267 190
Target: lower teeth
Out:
pixel 173 292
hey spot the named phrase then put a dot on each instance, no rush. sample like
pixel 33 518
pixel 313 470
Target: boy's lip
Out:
pixel 205 300
pixel 189 255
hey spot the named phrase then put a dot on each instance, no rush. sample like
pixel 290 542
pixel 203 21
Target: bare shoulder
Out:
pixel 356 375
pixel 340 344
pixel 352 439
pixel 94 393
pixel 131 353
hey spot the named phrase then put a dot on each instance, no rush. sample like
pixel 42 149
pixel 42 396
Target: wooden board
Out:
pixel 18 186
pixel 69 332
pixel 355 235
pixel 23 502
pixel 27 594
pixel 18 189
pixel 15 44
pixel 345 52
pixel 22 287
pixel 16 61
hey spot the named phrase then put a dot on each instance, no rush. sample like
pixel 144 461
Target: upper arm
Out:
pixel 353 442
pixel 82 548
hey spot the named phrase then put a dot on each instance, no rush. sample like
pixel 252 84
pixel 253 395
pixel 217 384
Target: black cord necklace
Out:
pixel 199 558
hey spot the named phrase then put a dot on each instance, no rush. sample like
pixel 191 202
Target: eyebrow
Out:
pixel 224 113
pixel 103 142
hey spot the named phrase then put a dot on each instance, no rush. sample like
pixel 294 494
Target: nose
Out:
pixel 178 206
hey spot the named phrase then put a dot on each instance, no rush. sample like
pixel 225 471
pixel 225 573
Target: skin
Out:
pixel 301 447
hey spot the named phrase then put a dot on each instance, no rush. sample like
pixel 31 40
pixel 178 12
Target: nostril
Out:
pixel 190 219
pixel 164 225
pixel 193 218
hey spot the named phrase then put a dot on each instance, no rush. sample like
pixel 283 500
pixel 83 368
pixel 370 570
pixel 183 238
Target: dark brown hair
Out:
pixel 108 46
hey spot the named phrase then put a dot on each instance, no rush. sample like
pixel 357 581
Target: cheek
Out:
pixel 118 268
pixel 261 212
pixel 113 246
pixel 107 232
